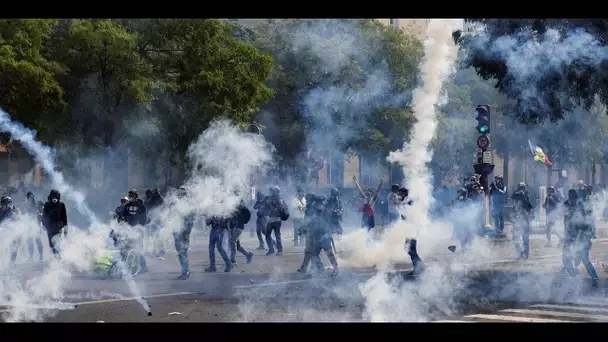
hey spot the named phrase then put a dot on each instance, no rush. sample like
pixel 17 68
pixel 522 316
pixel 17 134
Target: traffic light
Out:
pixel 483 119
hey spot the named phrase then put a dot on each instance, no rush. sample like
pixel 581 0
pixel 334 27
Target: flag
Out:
pixel 538 154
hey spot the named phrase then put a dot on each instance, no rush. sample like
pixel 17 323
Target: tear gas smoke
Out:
pixel 440 54
pixel 224 160
pixel 44 155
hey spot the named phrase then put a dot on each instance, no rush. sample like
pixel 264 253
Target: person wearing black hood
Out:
pixel 31 207
pixel 134 212
pixel 239 218
pixel 54 219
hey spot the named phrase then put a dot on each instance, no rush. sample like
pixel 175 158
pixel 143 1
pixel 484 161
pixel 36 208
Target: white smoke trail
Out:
pixel 44 155
pixel 385 300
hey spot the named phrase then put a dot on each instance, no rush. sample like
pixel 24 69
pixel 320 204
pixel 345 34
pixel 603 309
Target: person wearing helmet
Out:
pixel 334 212
pixel 134 212
pixel 393 203
pixel 522 215
pixel 54 219
pixel 276 211
pixel 30 207
pixel 119 211
pixel 551 206
pixel 298 206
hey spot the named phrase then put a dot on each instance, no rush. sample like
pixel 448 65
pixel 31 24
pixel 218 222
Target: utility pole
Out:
pixel 484 166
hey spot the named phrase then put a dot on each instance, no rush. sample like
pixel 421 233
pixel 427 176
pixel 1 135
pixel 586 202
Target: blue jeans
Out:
pixel 394 217
pixel 499 221
pixel 276 228
pixel 182 243
pixel 215 241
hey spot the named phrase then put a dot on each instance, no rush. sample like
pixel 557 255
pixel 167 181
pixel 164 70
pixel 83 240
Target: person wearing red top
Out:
pixel 367 208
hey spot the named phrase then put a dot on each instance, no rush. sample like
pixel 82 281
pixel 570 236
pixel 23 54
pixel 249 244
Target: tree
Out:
pixel 29 90
pixel 105 76
pixel 207 72
pixel 571 68
pixel 340 115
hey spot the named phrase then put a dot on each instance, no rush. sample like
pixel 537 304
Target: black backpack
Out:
pixel 245 215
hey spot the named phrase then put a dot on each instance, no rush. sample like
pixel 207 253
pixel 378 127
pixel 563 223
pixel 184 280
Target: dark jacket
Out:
pixel 240 217
pixel 522 205
pixel 54 215
pixel 260 200
pixel 551 203
pixel 217 223
pixel 334 210
pixel 275 209
pixel 134 212
pixel 6 214
pixel 154 202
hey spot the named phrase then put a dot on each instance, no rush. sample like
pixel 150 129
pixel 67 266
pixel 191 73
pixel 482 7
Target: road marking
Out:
pixel 569 307
pixel 598 318
pixel 107 301
pixel 515 319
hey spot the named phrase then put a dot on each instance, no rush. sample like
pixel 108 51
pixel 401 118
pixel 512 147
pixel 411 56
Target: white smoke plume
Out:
pixel 440 54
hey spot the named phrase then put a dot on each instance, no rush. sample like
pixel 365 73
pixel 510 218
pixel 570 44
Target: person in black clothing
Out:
pixel 411 244
pixel 154 202
pixel 577 237
pixel 551 206
pixel 318 235
pixel 219 226
pixel 134 212
pixel 54 219
pixel 522 215
pixel 31 207
pixel 119 211
pixel 276 211
pixel 237 222
pixel 334 210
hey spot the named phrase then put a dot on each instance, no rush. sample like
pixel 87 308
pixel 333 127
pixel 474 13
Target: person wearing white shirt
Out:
pixel 298 206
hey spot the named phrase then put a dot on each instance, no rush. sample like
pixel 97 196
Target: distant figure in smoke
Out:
pixel 334 212
pixel 219 226
pixel 577 237
pixel 31 207
pixel 276 211
pixel 260 223
pixel 367 208
pixel 134 214
pixel 54 219
pixel 154 202
pixel 298 206
pixel 182 238
pixel 588 202
pixel 498 194
pixel 581 189
pixel 319 237
pixel 403 197
pixel 522 215
pixel 551 205
pixel 7 213
pixel 310 215
pixel 238 220
pixel 393 203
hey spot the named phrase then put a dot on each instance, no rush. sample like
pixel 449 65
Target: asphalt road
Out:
pixel 269 289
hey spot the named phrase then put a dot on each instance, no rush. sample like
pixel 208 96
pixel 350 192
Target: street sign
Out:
pixel 487 157
pixel 483 142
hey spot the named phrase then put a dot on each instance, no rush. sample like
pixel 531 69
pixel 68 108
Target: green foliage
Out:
pixel 29 89
pixel 302 67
